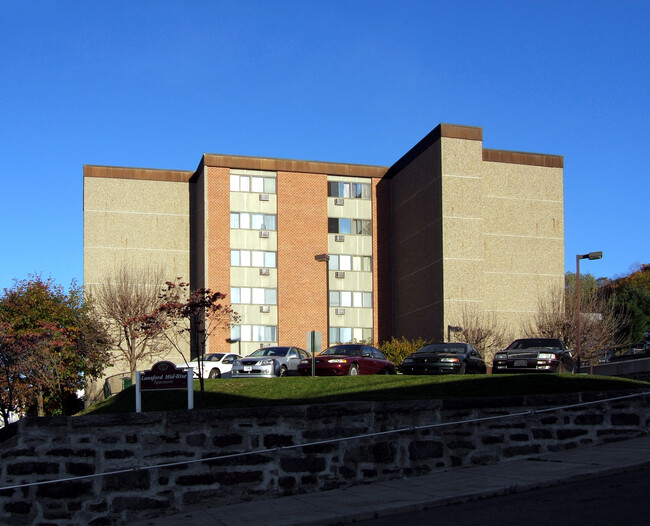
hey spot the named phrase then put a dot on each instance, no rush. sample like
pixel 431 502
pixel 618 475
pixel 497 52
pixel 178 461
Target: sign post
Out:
pixel 313 344
pixel 164 376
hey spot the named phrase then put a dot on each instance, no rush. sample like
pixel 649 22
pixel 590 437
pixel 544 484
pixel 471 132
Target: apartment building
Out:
pixel 357 252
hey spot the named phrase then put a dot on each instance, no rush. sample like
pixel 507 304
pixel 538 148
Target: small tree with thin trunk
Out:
pixel 192 316
pixel 481 331
pixel 126 300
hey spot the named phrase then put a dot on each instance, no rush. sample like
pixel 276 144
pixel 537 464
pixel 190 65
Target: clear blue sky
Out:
pixel 158 83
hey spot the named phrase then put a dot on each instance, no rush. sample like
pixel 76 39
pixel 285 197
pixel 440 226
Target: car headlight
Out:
pixel 546 356
pixel 305 362
pixel 267 361
pixel 338 360
pixel 453 360
pixel 407 360
pixel 501 356
pixel 236 363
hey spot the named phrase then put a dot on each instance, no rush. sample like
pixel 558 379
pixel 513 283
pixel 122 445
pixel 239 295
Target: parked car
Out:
pixel 534 355
pixel 348 359
pixel 444 358
pixel 214 364
pixel 268 362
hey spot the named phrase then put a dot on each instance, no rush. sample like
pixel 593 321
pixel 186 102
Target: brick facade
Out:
pixel 302 234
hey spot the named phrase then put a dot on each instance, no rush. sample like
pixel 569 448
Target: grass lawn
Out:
pixel 259 392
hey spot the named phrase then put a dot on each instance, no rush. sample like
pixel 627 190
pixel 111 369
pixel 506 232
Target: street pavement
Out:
pixel 383 499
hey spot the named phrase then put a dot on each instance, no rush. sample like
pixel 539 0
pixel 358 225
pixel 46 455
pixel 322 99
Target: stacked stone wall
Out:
pixel 110 469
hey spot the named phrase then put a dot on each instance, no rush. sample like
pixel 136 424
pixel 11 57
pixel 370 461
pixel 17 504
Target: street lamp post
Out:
pixel 452 328
pixel 235 340
pixel 326 259
pixel 591 256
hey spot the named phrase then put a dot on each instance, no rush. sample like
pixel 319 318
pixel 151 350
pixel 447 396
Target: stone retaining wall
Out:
pixel 41 449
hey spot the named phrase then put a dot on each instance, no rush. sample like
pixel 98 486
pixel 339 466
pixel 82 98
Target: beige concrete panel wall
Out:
pixel 523 255
pixel 523 240
pixel 518 217
pixel 253 316
pixel 136 222
pixel 353 317
pixel 352 244
pixel 251 240
pixel 358 281
pixel 353 208
pixel 141 196
pixel 250 277
pixel 462 209
pixel 250 202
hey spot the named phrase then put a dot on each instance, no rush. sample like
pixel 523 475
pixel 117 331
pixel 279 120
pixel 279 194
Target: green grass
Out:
pixel 260 392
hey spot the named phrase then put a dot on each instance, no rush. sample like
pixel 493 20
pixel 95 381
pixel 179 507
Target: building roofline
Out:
pixel 291 165
pixel 473 133
pixel 531 159
pixel 146 174
pixel 450 131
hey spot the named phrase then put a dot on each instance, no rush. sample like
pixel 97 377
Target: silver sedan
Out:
pixel 268 362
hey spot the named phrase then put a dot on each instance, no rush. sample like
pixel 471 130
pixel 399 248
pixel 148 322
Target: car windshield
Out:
pixel 536 343
pixel 215 357
pixel 343 350
pixel 271 351
pixel 447 348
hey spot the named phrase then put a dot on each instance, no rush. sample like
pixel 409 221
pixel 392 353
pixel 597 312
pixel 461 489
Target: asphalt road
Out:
pixel 621 499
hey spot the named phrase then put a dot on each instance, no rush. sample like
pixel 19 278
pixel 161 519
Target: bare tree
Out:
pixel 600 321
pixel 126 300
pixel 481 331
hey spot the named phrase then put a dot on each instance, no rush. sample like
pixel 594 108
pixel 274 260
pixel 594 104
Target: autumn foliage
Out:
pixel 50 345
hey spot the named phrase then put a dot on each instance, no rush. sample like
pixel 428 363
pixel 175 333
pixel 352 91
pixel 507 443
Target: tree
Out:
pixel 600 320
pixel 50 346
pixel 192 315
pixel 126 301
pixel 13 363
pixel 631 295
pixel 481 331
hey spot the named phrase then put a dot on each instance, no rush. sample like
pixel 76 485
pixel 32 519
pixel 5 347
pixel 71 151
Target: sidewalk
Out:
pixel 381 499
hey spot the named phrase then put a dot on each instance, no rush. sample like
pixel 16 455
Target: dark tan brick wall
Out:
pixel 302 233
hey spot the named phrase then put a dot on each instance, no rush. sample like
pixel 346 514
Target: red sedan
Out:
pixel 348 359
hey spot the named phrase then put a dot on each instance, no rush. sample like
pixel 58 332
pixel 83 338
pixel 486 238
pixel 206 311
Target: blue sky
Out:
pixel 158 83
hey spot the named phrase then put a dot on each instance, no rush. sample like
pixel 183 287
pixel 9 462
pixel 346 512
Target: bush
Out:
pixel 396 349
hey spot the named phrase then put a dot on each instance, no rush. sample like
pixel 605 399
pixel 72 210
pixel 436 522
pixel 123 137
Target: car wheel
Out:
pixel 463 368
pixel 354 370
pixel 215 373
pixel 283 371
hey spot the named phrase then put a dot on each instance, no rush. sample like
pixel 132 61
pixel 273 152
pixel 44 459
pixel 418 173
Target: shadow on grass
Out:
pixel 254 392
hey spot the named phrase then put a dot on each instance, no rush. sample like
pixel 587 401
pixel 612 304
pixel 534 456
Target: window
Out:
pixel 346 262
pixel 245 220
pixel 252 181
pixel 254 296
pixel 350 334
pixel 252 258
pixel 254 333
pixel 344 298
pixel 348 190
pixel 344 225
